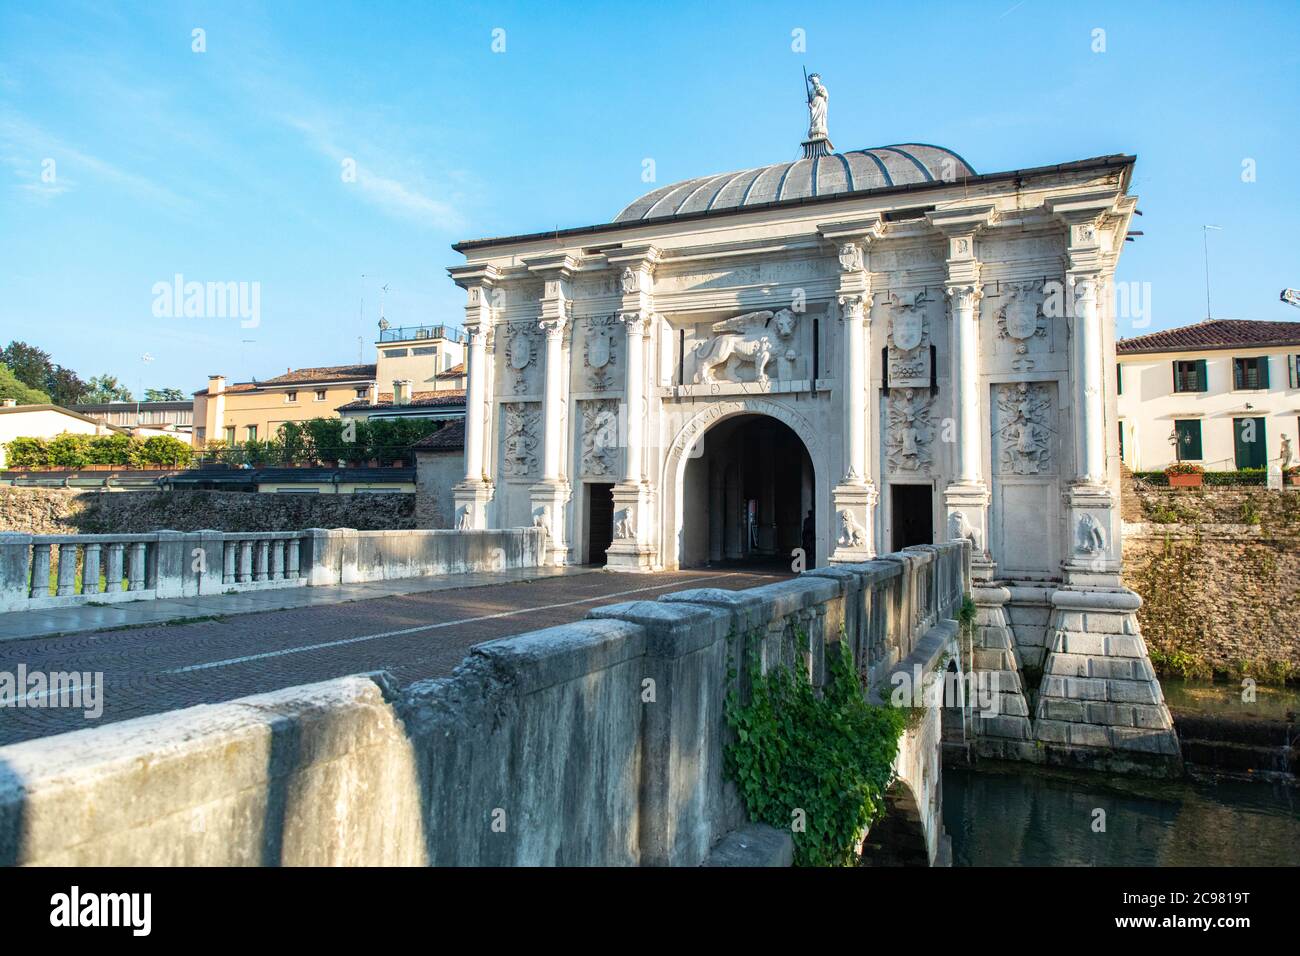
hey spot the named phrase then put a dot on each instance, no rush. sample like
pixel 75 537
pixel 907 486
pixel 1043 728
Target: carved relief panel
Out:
pixel 599 422
pixel 909 341
pixel 758 347
pixel 521 429
pixel 910 434
pixel 1024 431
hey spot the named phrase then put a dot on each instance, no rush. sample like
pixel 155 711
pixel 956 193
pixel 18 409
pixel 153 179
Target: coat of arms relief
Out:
pixel 519 439
pixel 762 341
pixel 1025 434
pixel 1021 320
pixel 909 345
pixel 521 354
pixel 908 440
pixel 599 352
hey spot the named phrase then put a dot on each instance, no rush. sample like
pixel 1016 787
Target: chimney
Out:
pixel 216 384
pixel 401 391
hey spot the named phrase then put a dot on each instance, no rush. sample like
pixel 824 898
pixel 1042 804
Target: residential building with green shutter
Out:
pixel 1222 394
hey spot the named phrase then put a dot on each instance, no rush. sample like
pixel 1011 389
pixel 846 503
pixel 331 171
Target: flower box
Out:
pixel 1193 480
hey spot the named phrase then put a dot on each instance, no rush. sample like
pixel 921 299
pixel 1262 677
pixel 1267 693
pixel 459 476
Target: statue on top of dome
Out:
pixel 817 103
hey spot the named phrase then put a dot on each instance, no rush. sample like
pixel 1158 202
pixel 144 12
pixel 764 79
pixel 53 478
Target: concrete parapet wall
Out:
pixel 594 743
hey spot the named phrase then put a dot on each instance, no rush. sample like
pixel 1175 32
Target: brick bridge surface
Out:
pixel 157 668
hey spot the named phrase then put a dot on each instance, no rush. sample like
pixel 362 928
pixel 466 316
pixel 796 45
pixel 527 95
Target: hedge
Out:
pixel 1247 476
pixel 329 440
pixel 68 451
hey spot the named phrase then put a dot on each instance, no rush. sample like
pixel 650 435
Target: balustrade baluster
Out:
pixel 90 569
pixel 40 571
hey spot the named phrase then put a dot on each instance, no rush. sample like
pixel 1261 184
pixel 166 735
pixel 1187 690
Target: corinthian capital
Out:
pixel 634 322
pixel 853 305
pixel 964 296
pixel 553 327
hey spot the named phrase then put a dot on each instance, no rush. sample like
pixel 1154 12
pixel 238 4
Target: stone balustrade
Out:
pixel 47 571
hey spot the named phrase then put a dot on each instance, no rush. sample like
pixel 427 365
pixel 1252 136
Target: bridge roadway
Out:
pixel 160 667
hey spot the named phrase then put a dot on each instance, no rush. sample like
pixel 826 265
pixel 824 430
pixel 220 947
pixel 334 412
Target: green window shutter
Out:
pixel 1202 377
pixel 1177 383
pixel 1250 446
pixel 1263 371
pixel 1119 379
pixel 1292 371
pixel 1188 431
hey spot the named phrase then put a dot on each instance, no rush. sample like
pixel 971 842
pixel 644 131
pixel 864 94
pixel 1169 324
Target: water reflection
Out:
pixel 1004 817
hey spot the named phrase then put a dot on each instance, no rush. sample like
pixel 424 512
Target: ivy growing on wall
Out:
pixel 817 763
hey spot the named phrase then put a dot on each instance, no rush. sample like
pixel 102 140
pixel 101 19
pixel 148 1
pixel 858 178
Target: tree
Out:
pixel 65 386
pixel 11 387
pixel 30 365
pixel 164 395
pixel 106 388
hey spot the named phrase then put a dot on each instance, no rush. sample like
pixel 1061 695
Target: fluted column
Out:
pixel 965 382
pixel 475 491
pixel 634 324
pixel 474 404
pixel 855 377
pixel 1088 390
pixel 553 396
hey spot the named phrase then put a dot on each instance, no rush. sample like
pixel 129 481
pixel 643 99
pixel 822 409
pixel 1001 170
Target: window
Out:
pixel 363 393
pixel 425 350
pixel 1249 443
pixel 320 394
pixel 230 435
pixel 250 433
pixel 1250 374
pixel 395 353
pixel 1121 439
pixel 1293 371
pixel 290 397
pixel 1191 376
pixel 1188 446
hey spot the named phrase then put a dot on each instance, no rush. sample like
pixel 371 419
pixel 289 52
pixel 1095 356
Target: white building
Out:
pixel 46 421
pixel 1223 394
pixel 881 343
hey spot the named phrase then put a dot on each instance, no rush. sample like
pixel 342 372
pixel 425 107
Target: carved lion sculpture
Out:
pixel 749 339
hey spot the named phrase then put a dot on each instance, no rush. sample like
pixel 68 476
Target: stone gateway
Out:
pixel 854 352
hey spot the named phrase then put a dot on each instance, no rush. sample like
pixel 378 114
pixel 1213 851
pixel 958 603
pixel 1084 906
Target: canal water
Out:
pixel 1010 815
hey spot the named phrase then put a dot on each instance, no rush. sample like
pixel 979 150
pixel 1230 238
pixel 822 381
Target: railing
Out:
pixel 413 332
pixel 43 571
pixel 48 571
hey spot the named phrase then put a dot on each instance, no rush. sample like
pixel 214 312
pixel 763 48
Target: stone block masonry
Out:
pixel 60 511
pixel 594 743
pixel 1218 570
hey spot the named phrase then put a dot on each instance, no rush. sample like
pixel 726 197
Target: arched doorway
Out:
pixel 748 495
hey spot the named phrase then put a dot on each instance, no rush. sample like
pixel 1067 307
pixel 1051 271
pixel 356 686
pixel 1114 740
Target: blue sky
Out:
pixel 227 165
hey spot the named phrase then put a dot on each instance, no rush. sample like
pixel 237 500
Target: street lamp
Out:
pixel 145 359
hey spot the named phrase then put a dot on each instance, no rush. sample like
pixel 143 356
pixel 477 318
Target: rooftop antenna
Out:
pixel 1205 241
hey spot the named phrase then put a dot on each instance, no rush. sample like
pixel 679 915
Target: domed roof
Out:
pixel 819 176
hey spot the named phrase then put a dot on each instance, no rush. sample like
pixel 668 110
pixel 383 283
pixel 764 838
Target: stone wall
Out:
pixel 60 511
pixel 435 475
pixel 1218 569
pixel 540 749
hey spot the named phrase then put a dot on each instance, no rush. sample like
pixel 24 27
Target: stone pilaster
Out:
pixel 550 497
pixel 854 497
pixel 631 549
pixel 966 499
pixel 473 493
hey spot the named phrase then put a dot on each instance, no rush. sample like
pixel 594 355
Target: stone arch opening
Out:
pixel 748 495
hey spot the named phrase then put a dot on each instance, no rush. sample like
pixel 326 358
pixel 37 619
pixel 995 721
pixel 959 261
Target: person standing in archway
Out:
pixel 809 541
